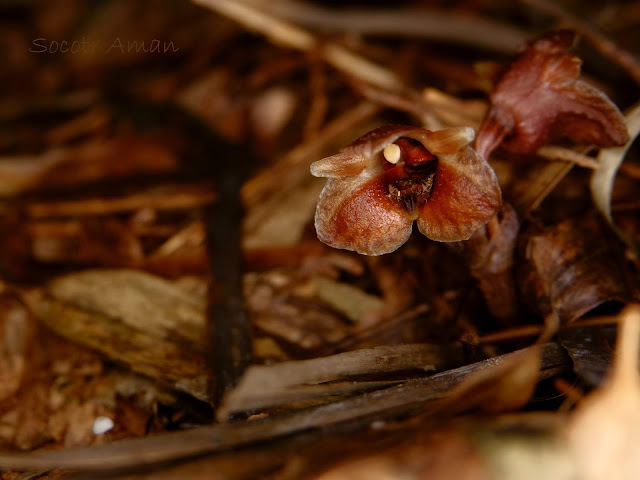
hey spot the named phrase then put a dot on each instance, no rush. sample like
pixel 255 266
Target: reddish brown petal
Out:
pixel 341 164
pixel 594 120
pixel 363 219
pixel 445 141
pixel 465 196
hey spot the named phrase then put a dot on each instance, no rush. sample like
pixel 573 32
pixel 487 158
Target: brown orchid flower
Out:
pixel 539 98
pixel 386 179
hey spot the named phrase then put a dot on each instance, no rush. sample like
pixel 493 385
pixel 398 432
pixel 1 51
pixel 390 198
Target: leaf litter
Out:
pixel 160 268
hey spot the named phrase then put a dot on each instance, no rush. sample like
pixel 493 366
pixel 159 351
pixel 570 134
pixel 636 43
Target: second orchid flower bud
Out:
pixel 395 175
pixel 540 98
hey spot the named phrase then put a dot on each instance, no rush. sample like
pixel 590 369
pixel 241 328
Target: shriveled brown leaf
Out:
pixel 572 267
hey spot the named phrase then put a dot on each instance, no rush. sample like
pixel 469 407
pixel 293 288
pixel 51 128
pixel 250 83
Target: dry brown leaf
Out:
pixel 135 318
pixel 571 267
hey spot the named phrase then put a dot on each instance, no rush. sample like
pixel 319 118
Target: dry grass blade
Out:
pixel 609 161
pixel 285 34
pixel 553 152
pixel 548 178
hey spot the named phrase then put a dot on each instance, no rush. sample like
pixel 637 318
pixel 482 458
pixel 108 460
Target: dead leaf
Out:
pixel 143 321
pixel 571 267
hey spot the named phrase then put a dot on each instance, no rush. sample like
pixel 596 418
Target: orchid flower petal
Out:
pixel 465 196
pixel 363 219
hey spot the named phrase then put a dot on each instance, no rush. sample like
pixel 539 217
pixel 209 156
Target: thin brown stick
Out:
pixel 534 330
pixel 410 103
pixel 262 185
